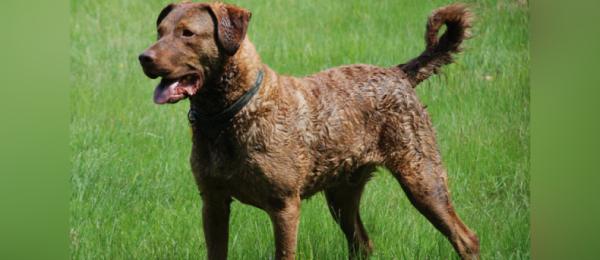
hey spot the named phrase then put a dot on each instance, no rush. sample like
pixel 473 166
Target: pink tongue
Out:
pixel 163 93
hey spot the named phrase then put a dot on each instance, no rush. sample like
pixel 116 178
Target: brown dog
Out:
pixel 270 140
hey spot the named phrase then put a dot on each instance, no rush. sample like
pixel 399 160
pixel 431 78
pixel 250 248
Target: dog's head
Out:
pixel 194 39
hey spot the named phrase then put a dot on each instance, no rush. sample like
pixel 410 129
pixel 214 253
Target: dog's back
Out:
pixel 354 115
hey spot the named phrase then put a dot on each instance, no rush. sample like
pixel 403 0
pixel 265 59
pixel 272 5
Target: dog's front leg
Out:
pixel 215 219
pixel 285 217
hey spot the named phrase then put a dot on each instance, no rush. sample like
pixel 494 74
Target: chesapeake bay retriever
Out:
pixel 271 140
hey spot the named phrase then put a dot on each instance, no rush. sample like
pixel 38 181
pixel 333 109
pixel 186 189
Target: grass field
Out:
pixel 133 195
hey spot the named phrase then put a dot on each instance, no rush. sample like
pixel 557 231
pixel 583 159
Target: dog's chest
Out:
pixel 251 171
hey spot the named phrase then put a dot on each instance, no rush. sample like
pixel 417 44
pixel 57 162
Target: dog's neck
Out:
pixel 237 76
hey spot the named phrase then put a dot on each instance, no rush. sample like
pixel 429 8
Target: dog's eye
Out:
pixel 187 33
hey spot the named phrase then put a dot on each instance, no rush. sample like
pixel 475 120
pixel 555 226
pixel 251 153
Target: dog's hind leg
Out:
pixel 343 201
pixel 424 180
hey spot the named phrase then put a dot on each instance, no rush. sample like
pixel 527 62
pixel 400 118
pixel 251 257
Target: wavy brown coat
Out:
pixel 299 136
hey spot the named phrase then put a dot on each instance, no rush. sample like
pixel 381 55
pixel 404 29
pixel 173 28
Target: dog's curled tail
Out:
pixel 458 21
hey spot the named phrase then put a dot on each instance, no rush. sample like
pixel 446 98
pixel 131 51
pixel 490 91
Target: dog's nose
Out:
pixel 147 58
pixel 148 62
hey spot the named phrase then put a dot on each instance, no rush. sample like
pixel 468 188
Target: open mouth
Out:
pixel 173 90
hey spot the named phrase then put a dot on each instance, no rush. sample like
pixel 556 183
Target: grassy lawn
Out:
pixel 133 195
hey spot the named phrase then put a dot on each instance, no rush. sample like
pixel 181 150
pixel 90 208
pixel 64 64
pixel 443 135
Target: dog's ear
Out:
pixel 165 11
pixel 232 24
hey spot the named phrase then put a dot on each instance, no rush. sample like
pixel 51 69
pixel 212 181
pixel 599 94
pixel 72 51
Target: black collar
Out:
pixel 223 117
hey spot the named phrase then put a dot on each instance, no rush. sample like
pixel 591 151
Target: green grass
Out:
pixel 133 195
